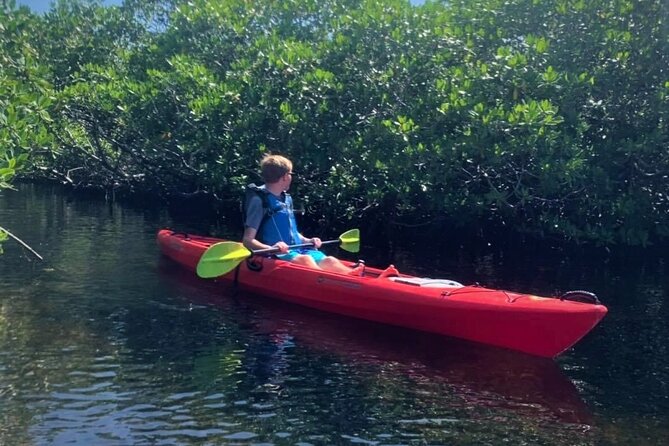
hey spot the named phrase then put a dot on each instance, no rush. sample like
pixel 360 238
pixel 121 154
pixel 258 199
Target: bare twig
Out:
pixel 21 242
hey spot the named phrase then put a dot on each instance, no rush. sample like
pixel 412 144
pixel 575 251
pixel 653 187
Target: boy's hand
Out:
pixel 282 247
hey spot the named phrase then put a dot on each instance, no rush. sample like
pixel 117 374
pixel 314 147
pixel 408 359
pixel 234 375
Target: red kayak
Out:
pixel 542 326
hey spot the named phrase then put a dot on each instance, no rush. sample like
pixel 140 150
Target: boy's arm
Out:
pixel 251 243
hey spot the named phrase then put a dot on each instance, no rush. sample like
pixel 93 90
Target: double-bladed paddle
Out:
pixel 223 257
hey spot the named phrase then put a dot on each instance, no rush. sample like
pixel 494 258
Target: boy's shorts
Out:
pixel 291 254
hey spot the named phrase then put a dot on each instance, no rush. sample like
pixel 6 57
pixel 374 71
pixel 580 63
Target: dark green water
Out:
pixel 105 343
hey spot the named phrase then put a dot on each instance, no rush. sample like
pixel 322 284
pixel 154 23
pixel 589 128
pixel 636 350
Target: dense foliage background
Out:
pixel 541 116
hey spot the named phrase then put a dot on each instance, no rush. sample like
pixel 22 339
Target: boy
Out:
pixel 276 227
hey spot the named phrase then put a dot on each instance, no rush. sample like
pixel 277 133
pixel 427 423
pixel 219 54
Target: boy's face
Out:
pixel 287 179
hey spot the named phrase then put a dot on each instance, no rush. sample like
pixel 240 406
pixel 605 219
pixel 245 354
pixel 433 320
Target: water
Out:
pixel 105 343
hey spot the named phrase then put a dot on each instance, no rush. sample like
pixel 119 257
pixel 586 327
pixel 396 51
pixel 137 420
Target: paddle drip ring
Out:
pixel 254 264
pixel 585 297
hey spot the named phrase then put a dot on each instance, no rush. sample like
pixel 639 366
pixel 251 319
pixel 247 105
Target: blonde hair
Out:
pixel 273 167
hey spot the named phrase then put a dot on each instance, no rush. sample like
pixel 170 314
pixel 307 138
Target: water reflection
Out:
pixel 475 374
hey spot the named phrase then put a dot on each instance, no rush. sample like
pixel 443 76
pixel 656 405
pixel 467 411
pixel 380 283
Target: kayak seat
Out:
pixel 391 271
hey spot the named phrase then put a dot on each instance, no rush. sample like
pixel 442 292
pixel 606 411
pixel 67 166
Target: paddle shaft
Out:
pixel 222 257
pixel 303 245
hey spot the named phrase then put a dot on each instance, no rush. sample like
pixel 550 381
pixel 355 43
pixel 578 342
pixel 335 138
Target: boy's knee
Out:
pixel 305 260
pixel 329 260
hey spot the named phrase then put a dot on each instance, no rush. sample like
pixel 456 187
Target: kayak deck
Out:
pixel 532 324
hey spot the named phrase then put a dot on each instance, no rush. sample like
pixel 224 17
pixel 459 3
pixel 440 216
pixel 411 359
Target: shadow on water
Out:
pixel 481 375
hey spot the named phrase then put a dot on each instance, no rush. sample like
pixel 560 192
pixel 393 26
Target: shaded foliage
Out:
pixel 25 96
pixel 544 116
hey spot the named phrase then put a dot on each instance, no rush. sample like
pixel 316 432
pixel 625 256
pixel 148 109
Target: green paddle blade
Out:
pixel 221 258
pixel 350 240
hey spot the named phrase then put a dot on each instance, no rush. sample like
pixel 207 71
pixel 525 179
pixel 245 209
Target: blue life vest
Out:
pixel 278 223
